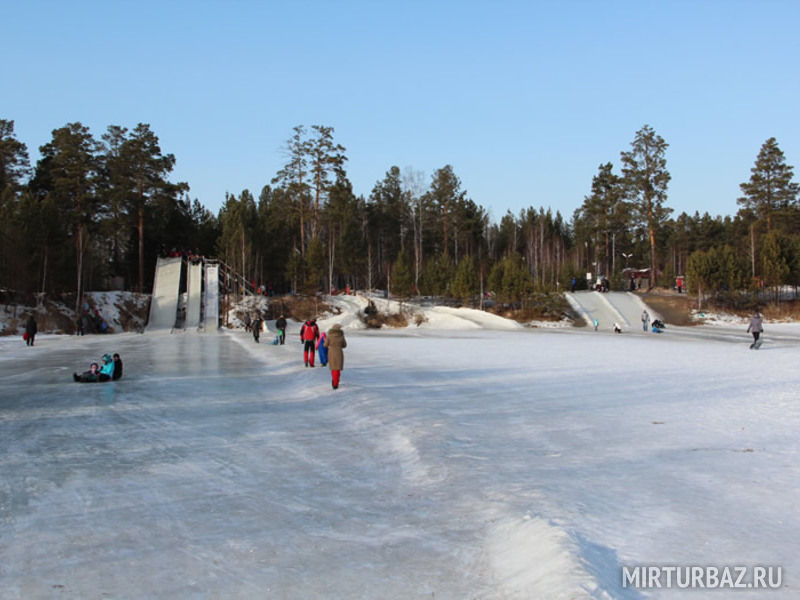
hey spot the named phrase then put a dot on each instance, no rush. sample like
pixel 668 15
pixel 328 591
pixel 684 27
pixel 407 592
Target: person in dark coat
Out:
pixel 280 325
pixel 90 376
pixel 117 367
pixel 86 324
pixel 256 328
pixel 30 330
pixel 335 342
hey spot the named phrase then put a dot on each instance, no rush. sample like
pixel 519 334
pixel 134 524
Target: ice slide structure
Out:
pixel 164 305
pixel 608 308
pixel 195 307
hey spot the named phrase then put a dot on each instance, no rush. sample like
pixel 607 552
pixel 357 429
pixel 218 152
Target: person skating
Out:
pixel 335 342
pixel 256 328
pixel 756 328
pixel 280 325
pixel 645 321
pixel 30 330
pixel 309 333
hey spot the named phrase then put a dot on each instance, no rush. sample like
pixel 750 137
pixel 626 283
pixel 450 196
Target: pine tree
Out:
pixel 465 283
pixel 326 161
pixel 646 178
pixel 770 188
pixel 315 267
pixel 14 165
pixel 68 171
pixel 138 173
pixel 402 279
pixel 293 179
pixel 777 259
pixel 602 219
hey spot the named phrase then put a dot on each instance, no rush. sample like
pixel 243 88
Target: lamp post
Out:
pixel 626 257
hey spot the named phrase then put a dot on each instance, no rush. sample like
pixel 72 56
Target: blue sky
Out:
pixel 524 99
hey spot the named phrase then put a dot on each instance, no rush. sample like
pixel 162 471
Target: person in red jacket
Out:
pixel 309 333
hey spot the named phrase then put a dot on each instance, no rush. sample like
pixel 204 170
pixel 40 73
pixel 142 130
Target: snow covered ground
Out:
pixel 464 458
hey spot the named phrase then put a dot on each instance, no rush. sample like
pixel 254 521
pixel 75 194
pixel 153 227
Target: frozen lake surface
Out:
pixel 456 464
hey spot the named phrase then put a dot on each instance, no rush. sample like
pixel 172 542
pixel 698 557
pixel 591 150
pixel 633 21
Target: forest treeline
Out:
pixel 94 213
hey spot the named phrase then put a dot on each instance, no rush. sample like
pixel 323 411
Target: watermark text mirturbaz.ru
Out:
pixel 702 577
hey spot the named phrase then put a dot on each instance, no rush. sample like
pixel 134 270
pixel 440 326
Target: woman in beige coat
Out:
pixel 335 342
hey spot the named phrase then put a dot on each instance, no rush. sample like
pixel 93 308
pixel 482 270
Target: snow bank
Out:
pixel 531 558
pixel 431 318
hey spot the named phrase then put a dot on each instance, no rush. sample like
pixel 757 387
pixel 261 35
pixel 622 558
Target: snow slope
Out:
pixel 454 462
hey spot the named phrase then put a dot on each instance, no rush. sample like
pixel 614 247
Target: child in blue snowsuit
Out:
pixel 322 351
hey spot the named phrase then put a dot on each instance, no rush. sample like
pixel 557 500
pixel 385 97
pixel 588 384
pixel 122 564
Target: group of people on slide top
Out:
pixel 110 370
pixel 329 345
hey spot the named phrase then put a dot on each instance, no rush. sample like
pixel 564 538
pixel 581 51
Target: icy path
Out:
pixel 476 464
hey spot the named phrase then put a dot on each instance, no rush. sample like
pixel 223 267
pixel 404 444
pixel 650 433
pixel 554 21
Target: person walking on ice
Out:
pixel 309 333
pixel 335 343
pixel 645 321
pixel 280 325
pixel 756 328
pixel 30 330
pixel 322 350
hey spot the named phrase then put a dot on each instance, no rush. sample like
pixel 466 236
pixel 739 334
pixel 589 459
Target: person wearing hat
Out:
pixel 756 327
pixel 117 367
pixel 335 343
pixel 309 333
pixel 107 370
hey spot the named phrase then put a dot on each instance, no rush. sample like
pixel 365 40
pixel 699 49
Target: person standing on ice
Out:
pixel 256 328
pixel 645 321
pixel 309 333
pixel 322 350
pixel 247 322
pixel 756 328
pixel 280 325
pixel 335 343
pixel 30 329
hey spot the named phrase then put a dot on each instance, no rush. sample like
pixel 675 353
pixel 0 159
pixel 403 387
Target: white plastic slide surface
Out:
pixel 194 286
pixel 591 307
pixel 212 297
pixel 631 307
pixel 164 306
pixel 608 308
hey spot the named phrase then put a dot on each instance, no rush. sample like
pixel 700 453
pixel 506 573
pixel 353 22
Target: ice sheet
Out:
pixel 449 464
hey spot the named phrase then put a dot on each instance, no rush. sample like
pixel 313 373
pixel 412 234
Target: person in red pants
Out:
pixel 309 333
pixel 335 343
